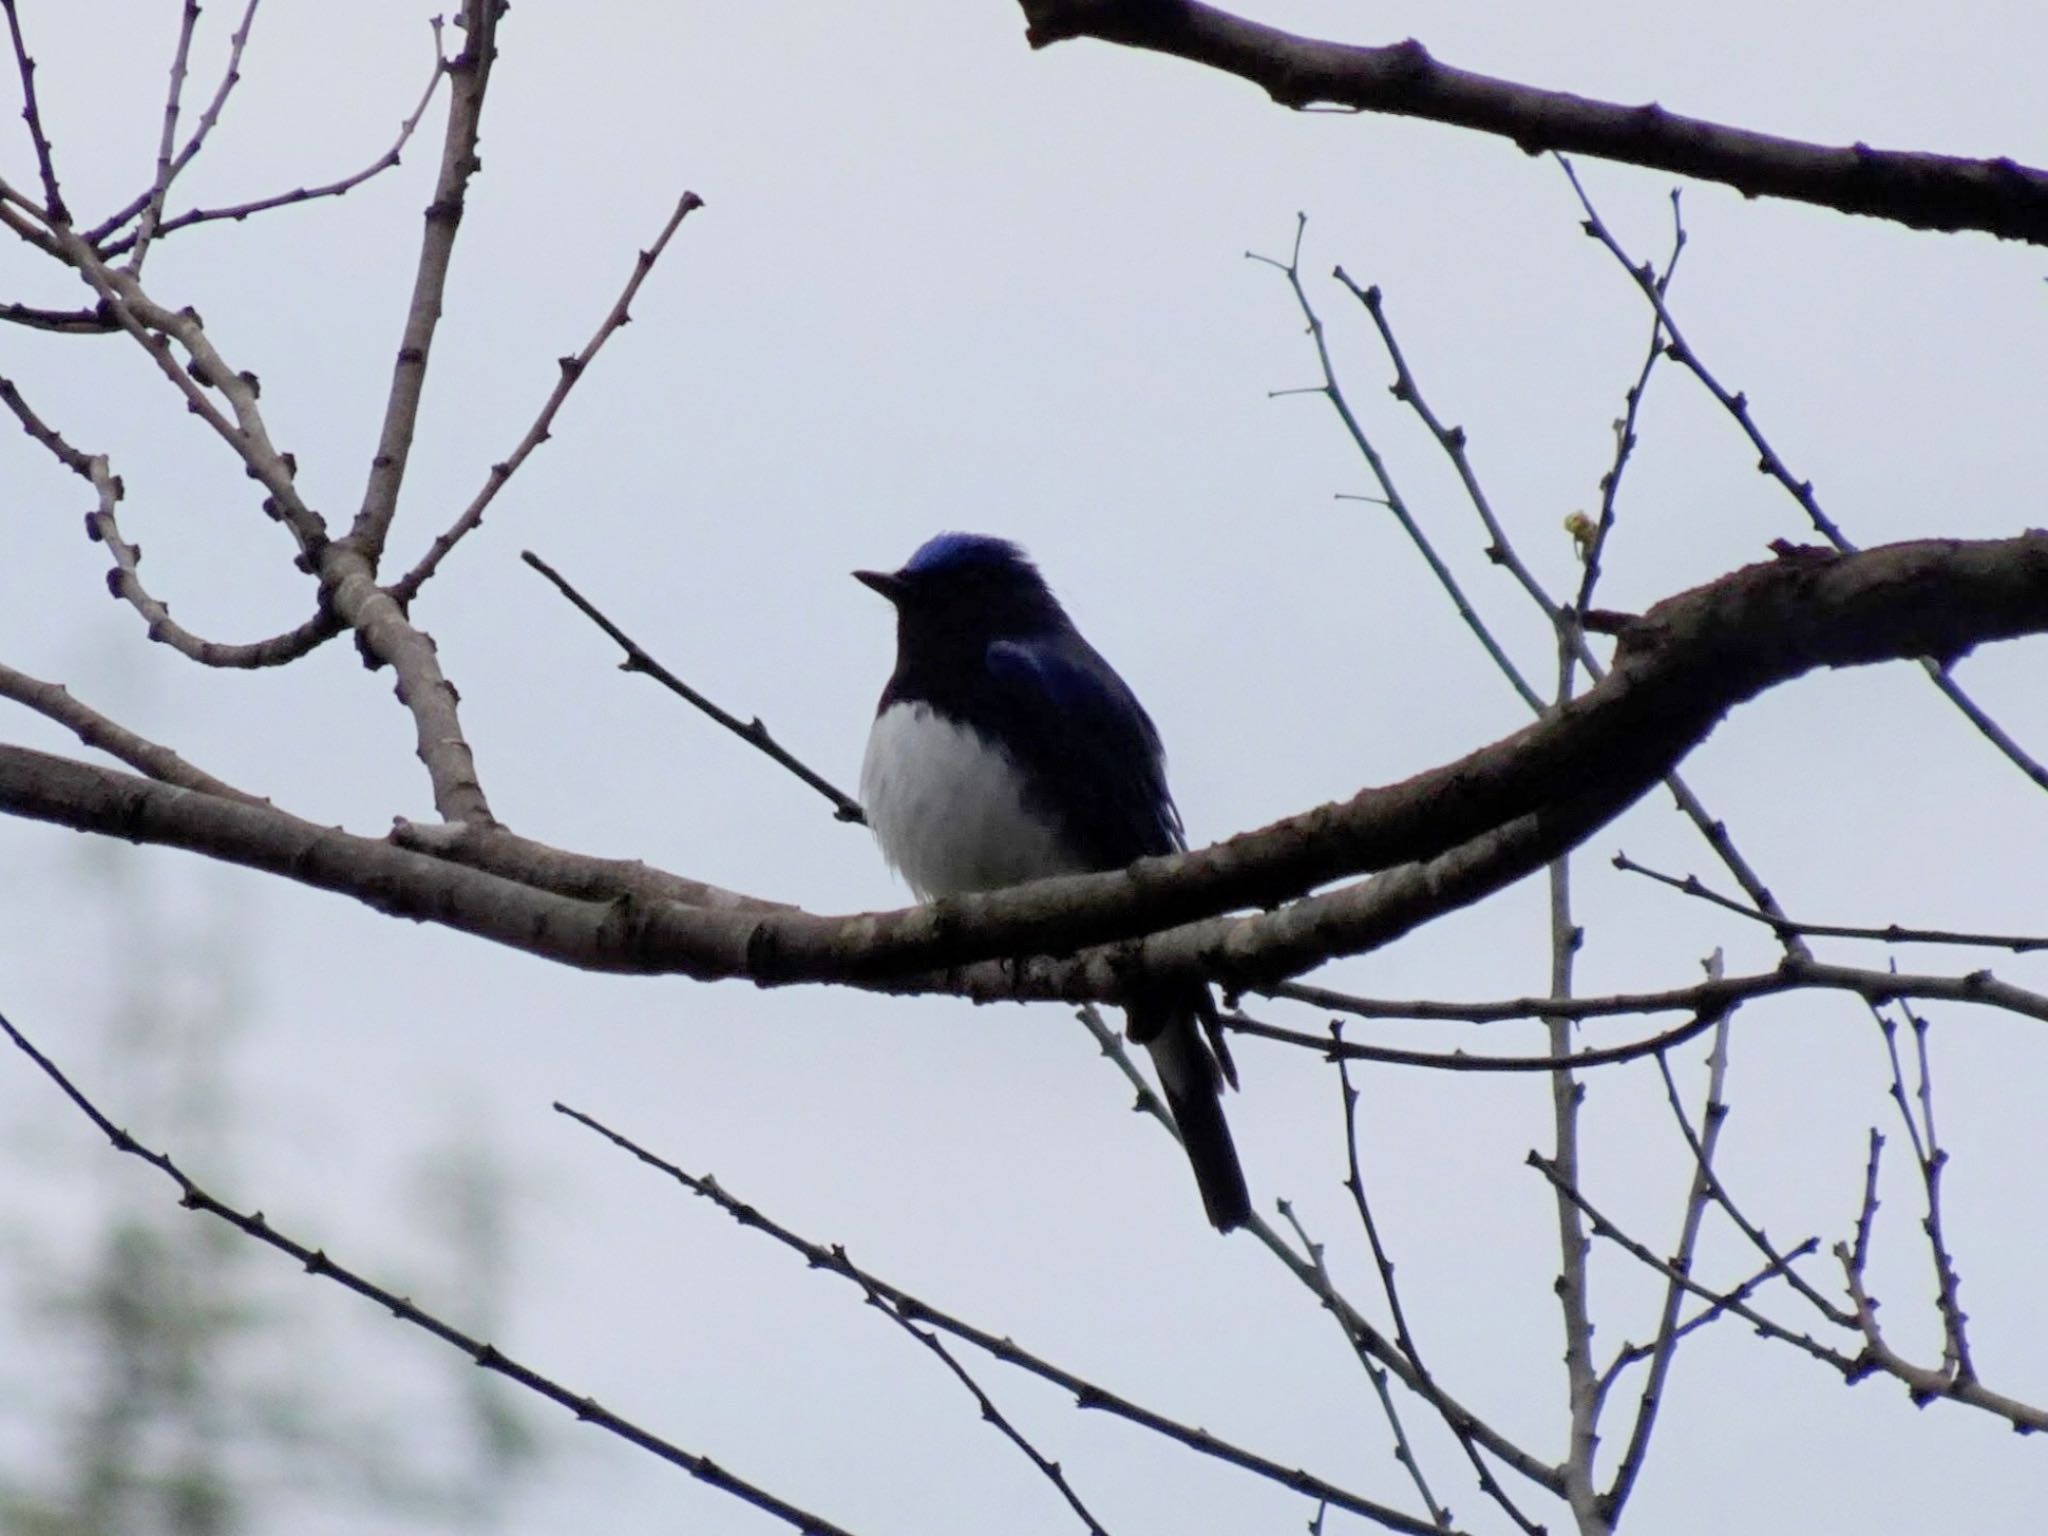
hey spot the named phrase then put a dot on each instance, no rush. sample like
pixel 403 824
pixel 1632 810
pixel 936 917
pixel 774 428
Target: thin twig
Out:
pixel 1707 1314
pixel 1625 429
pixel 1501 549
pixel 1931 1159
pixel 1380 1377
pixel 488 1356
pixel 32 114
pixel 1776 1263
pixel 231 77
pixel 125 580
pixel 55 702
pixel 1047 1468
pixel 1891 933
pixel 1771 463
pixel 1404 1338
pixel 1698 1197
pixel 340 187
pixel 1728 1301
pixel 1704 1000
pixel 1408 390
pixel 1395 504
pixel 753 732
pixel 1567 1099
pixel 833 1260
pixel 153 210
pixel 1316 1278
pixel 571 369
pixel 63 322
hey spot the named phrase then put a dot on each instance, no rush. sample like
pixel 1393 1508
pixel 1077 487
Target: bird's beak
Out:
pixel 884 582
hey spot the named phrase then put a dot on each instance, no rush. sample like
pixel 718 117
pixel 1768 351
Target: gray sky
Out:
pixel 942 282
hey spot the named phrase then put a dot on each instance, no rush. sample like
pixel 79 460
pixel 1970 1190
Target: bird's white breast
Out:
pixel 948 810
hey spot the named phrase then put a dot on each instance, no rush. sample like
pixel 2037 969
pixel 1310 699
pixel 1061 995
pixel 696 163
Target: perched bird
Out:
pixel 1006 749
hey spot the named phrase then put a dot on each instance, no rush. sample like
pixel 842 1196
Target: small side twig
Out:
pixel 1930 1159
pixel 1390 495
pixel 55 702
pixel 1890 933
pixel 1380 1377
pixel 833 1260
pixel 1407 389
pixel 1664 1350
pixel 124 580
pixel 231 77
pixel 1625 429
pixel 118 245
pixel 571 370
pixel 1728 1301
pixel 153 209
pixel 753 732
pixel 1404 1338
pixel 991 1414
pixel 32 114
pixel 1770 462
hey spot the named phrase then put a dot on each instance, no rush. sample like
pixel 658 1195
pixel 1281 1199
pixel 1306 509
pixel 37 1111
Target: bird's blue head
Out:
pixel 969 584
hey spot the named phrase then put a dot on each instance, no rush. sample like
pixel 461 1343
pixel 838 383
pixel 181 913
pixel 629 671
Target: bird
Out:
pixel 1006 749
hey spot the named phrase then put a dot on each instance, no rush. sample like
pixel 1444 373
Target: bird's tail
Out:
pixel 1191 1077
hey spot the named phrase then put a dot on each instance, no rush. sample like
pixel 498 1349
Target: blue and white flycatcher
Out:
pixel 1006 749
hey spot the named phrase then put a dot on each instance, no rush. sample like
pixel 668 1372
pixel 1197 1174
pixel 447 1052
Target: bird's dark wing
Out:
pixel 1092 761
pixel 1090 754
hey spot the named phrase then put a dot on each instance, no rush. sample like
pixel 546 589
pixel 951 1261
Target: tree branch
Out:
pixel 471 72
pixel 1458 832
pixel 487 1356
pixel 1922 191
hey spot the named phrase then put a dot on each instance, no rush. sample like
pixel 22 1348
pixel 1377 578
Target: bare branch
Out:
pixel 238 211
pixel 1707 1313
pixel 834 1260
pixel 1595 548
pixel 64 322
pixel 1390 495
pixel 32 114
pixel 1047 1468
pixel 1771 463
pixel 753 732
pixel 153 209
pixel 1931 1159
pixel 1921 191
pixel 1500 549
pixel 1665 1348
pixel 1445 838
pixel 55 702
pixel 1730 1302
pixel 470 72
pixel 1891 933
pixel 498 850
pixel 1404 1338
pixel 150 196
pixel 1705 1000
pixel 125 581
pixel 316 1262
pixel 1406 389
pixel 572 369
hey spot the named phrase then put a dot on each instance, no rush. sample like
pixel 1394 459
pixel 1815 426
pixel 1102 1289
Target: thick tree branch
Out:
pixel 1922 191
pixel 1458 832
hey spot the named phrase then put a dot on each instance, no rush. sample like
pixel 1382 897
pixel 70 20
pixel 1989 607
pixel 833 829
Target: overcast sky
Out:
pixel 942 282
